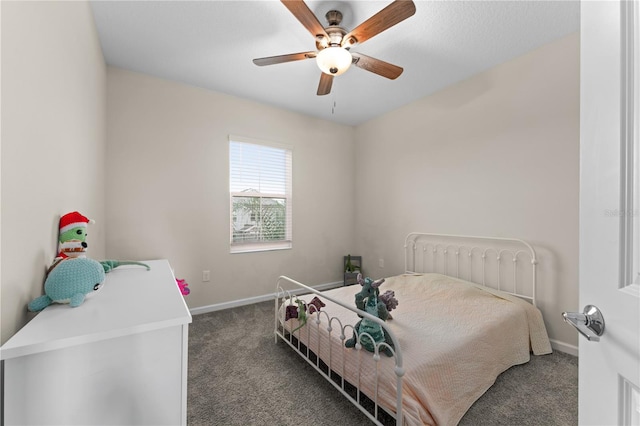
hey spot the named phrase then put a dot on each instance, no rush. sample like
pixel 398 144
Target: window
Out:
pixel 260 195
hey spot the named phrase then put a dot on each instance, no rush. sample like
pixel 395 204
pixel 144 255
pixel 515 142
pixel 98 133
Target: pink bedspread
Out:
pixel 456 338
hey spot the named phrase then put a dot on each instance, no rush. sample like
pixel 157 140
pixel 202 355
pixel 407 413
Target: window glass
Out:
pixel 260 195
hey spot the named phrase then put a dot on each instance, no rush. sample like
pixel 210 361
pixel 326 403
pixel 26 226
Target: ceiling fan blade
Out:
pixel 306 17
pixel 326 80
pixel 376 66
pixel 394 13
pixel 271 60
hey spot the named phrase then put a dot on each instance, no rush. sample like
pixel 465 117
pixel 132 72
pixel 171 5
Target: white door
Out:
pixel 609 369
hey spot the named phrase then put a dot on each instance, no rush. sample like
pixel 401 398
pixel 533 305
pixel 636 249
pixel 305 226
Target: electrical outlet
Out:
pixel 381 263
pixel 206 276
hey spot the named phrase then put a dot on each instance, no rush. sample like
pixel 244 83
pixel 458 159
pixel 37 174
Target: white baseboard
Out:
pixel 251 300
pixel 564 347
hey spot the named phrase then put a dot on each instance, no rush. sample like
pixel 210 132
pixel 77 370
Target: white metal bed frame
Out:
pixel 424 252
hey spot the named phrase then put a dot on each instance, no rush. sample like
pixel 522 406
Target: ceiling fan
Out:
pixel 333 42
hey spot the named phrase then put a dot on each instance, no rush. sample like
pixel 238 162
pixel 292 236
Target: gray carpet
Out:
pixel 236 377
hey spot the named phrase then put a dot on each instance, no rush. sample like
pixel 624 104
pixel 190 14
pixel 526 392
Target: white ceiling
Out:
pixel 210 44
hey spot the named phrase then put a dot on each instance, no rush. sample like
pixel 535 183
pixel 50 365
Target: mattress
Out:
pixel 456 338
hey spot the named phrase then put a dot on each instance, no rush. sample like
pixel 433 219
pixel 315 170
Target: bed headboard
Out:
pixel 506 264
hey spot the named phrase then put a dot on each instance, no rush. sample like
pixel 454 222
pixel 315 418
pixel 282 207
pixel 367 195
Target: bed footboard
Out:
pixel 358 374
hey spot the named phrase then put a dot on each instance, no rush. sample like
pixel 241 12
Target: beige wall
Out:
pixel 510 134
pixel 168 190
pixel 53 141
pixel 497 154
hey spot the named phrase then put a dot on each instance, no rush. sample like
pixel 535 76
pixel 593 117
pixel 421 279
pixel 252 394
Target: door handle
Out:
pixel 590 323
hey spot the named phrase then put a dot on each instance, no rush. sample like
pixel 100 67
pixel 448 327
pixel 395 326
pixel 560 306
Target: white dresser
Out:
pixel 120 358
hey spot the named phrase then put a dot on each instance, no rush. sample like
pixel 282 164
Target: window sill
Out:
pixel 256 247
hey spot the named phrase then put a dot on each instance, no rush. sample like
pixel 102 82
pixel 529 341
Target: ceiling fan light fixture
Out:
pixel 334 60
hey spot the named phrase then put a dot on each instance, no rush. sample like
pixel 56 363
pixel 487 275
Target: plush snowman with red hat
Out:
pixel 72 240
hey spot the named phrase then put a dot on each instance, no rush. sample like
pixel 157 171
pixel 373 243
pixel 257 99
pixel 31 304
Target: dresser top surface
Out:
pixel 132 300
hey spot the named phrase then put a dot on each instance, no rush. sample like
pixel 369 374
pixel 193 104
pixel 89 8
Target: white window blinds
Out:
pixel 260 195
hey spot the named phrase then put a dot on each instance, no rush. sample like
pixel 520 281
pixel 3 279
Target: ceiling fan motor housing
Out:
pixel 335 33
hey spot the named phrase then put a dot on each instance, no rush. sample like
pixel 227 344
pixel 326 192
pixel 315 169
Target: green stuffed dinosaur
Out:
pixel 370 301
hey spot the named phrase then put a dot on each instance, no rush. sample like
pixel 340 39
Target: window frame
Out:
pixel 250 247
